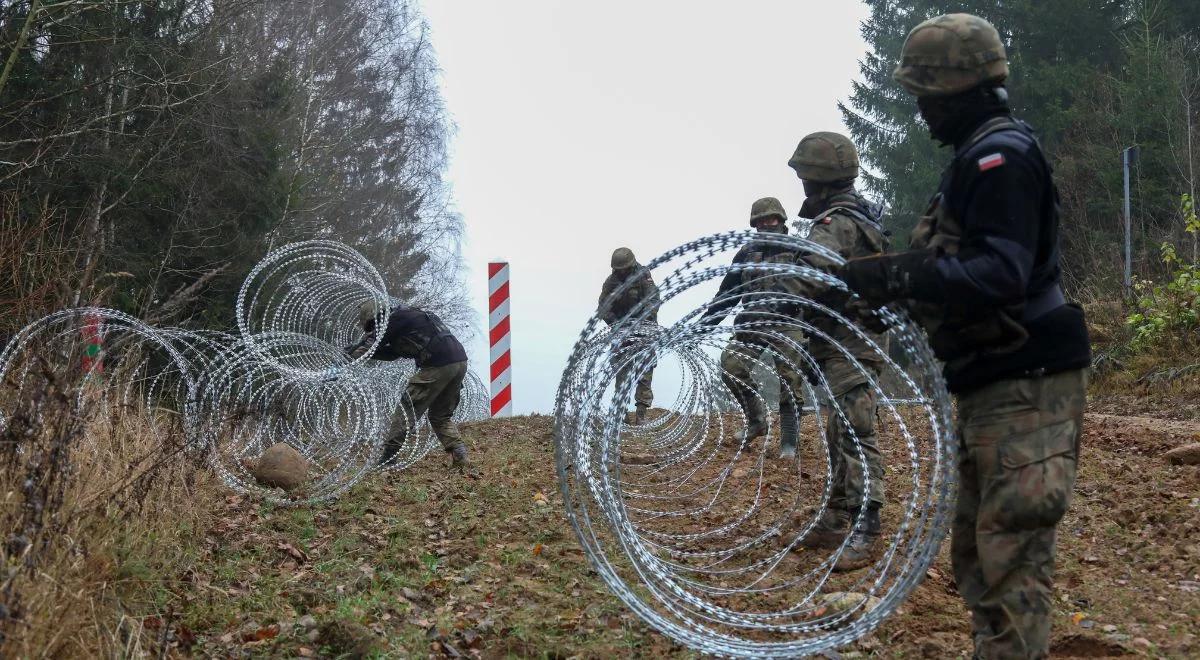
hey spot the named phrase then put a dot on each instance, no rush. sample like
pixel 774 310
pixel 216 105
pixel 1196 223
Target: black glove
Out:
pixel 887 277
pixel 812 377
pixel 864 314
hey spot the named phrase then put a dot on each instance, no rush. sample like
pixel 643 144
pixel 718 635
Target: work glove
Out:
pixel 887 277
pixel 865 315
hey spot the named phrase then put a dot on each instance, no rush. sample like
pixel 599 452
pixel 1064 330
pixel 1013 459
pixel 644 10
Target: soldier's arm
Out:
pixel 836 232
pixel 723 302
pixel 607 314
pixel 1000 202
pixel 355 350
pixel 653 298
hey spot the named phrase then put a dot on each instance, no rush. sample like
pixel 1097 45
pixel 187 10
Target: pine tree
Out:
pixel 1055 50
pixel 902 162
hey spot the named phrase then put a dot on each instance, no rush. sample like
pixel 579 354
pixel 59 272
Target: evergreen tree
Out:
pixel 1055 50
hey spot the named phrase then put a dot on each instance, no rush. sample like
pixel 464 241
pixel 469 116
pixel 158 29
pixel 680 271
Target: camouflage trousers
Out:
pixel 1019 444
pixel 745 349
pixel 434 391
pixel 643 395
pixel 849 480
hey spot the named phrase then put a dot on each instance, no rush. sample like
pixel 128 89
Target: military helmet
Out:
pixel 765 208
pixel 825 157
pixel 623 258
pixel 950 54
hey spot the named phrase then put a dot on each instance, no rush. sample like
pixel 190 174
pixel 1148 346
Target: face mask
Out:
pixel 950 117
pixel 938 116
pixel 812 207
pixel 778 228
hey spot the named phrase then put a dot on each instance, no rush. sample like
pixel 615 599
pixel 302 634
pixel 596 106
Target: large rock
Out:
pixel 280 466
pixel 1185 455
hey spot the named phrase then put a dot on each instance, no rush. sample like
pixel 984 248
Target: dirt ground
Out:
pixel 425 563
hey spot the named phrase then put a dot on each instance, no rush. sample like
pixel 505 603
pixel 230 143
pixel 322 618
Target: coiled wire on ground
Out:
pixel 283 377
pixel 703 538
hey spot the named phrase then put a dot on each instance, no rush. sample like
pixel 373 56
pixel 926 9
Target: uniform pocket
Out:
pixel 1036 475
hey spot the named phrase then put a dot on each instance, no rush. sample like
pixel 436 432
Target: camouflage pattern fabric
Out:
pixel 434 391
pixel 1019 443
pixel 850 237
pixel 765 208
pixel 849 481
pixel 643 289
pixel 643 394
pixel 950 54
pixel 744 349
pixel 825 157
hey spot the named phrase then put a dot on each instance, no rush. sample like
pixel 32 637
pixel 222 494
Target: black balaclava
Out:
pixel 817 194
pixel 952 119
pixel 780 228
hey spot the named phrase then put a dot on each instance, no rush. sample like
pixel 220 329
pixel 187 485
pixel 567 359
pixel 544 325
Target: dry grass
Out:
pixel 97 501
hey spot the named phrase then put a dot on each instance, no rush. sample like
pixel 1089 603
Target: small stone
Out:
pixel 307 621
pixel 1109 628
pixel 1087 623
pixel 1142 641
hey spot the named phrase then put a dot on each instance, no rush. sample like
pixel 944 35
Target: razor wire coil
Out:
pixel 284 377
pixel 703 535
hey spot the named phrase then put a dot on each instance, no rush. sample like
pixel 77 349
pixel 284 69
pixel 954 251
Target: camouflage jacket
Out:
pixel 850 226
pixel 642 289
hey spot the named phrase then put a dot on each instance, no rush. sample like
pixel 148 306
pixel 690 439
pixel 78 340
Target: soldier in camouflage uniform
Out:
pixel 983 277
pixel 625 266
pixel 846 223
pixel 755 334
pixel 435 389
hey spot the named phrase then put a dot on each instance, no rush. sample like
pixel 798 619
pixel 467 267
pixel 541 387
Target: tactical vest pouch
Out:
pixel 439 330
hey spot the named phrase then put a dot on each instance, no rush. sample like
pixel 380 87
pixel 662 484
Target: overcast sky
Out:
pixel 587 126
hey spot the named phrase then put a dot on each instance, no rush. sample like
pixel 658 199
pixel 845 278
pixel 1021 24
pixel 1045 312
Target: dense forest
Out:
pixel 152 152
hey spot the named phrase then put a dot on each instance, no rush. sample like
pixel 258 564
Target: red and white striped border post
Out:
pixel 499 339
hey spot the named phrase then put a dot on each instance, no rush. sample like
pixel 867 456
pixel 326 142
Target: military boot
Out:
pixel 789 433
pixel 458 455
pixel 391 447
pixel 755 423
pixel 830 530
pixel 639 415
pixel 860 552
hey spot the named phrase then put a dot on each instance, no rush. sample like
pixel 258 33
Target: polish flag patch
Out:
pixel 991 162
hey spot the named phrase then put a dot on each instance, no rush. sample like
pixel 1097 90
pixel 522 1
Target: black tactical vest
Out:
pixel 959 332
